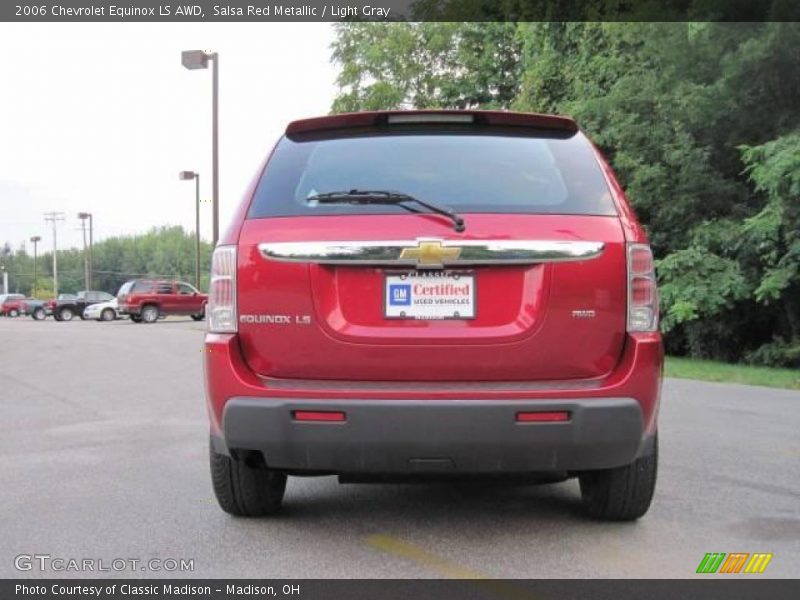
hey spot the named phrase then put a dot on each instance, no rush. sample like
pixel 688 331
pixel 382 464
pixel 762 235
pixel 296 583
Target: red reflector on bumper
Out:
pixel 542 417
pixel 318 415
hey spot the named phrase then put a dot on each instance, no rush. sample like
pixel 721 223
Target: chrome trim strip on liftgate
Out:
pixel 431 253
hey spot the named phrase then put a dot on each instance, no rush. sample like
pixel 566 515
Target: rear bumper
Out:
pixel 471 427
pixel 435 436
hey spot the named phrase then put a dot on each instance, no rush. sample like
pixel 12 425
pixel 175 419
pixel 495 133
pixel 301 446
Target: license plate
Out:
pixel 429 295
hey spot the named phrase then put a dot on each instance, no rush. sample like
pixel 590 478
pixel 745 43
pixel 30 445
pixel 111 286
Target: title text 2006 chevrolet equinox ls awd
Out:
pixel 423 294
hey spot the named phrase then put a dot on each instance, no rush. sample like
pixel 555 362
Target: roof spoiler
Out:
pixel 392 117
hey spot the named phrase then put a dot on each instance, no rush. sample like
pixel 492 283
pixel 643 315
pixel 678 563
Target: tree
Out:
pixel 699 119
pixel 165 252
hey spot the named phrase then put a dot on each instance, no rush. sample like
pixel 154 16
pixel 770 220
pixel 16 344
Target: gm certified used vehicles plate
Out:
pixel 407 295
pixel 429 295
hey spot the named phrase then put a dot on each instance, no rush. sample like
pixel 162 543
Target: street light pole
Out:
pixel 35 239
pixel 215 146
pixel 198 59
pixel 54 217
pixel 91 250
pixel 185 176
pixel 87 258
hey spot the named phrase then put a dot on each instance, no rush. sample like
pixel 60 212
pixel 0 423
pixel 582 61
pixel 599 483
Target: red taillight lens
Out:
pixel 221 311
pixel 543 417
pixel 642 290
pixel 318 415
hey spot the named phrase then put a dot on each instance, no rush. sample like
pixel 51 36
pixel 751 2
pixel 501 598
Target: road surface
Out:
pixel 104 456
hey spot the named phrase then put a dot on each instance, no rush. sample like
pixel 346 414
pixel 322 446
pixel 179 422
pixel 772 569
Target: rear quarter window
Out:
pixel 486 171
pixel 142 287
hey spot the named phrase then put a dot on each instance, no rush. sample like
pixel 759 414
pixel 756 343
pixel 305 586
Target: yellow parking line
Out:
pixel 398 547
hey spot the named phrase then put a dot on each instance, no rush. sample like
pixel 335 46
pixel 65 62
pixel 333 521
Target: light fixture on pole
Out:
pixel 188 176
pixel 87 260
pixel 198 59
pixel 35 239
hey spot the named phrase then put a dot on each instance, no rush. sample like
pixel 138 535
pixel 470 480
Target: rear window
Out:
pixel 490 171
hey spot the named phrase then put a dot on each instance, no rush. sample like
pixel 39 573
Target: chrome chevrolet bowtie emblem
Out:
pixel 430 254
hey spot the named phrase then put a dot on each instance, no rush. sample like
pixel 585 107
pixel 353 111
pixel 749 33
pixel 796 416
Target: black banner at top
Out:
pixel 396 10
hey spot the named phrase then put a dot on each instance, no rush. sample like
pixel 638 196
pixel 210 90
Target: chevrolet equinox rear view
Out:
pixel 430 294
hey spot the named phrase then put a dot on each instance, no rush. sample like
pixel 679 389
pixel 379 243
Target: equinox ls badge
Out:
pixel 276 319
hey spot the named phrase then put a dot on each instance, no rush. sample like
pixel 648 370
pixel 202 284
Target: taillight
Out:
pixel 221 310
pixel 642 291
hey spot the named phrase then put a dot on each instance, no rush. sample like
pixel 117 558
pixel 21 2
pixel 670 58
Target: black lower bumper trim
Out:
pixel 435 436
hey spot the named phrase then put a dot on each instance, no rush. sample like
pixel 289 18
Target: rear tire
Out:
pixel 13 312
pixel 197 317
pixel 39 314
pixel 623 493
pixel 246 487
pixel 149 314
pixel 107 315
pixel 136 318
pixel 65 314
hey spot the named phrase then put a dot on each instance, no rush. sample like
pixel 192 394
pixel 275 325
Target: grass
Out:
pixel 709 370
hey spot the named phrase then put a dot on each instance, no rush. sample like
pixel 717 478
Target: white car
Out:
pixel 103 311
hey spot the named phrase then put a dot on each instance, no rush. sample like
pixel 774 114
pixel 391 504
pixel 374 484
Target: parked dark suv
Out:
pixel 68 307
pixel 145 300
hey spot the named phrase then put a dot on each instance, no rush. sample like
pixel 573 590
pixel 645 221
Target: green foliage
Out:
pixel 696 284
pixel 394 65
pixel 165 252
pixel 701 121
pixel 779 352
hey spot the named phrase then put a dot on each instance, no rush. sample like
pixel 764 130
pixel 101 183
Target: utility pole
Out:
pixel 35 239
pixel 54 217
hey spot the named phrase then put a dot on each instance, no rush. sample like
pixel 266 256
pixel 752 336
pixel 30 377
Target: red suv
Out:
pixel 146 300
pixel 408 295
pixel 12 305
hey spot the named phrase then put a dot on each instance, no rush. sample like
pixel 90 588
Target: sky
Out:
pixel 101 117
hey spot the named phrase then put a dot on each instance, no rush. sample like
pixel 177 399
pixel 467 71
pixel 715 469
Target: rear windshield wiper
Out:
pixel 385 197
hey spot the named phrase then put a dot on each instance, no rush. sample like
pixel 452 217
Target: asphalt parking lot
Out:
pixel 104 455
